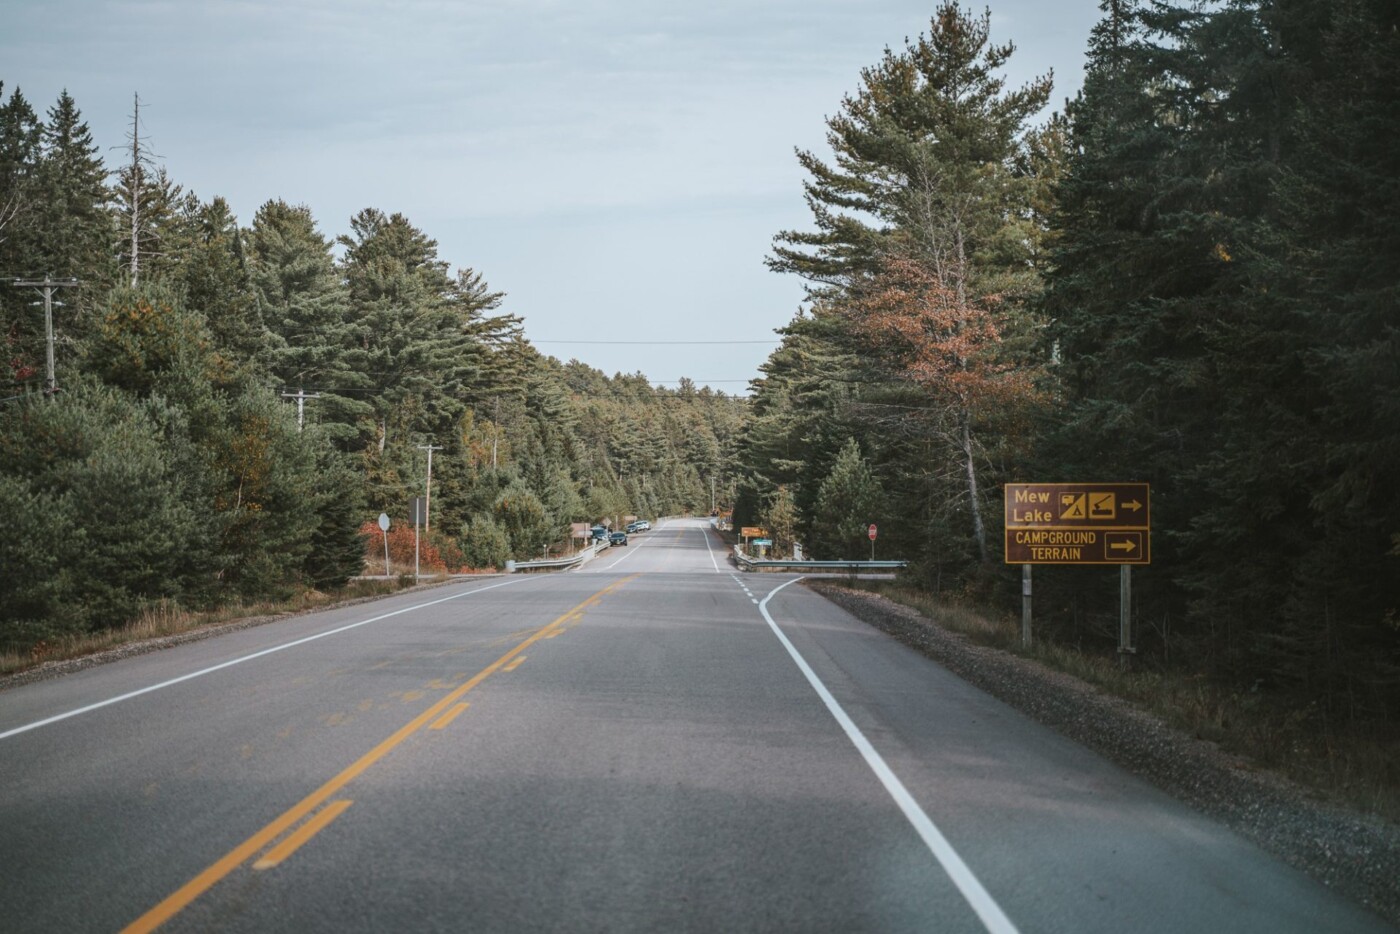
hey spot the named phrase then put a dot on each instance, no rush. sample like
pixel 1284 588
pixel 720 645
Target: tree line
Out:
pixel 171 463
pixel 1188 277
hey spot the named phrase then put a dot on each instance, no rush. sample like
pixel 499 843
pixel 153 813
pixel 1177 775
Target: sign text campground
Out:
pixel 1078 523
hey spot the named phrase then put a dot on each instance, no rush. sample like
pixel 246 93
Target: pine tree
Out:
pixel 215 277
pixel 485 543
pixel 21 330
pixel 925 154
pixel 779 517
pixel 73 221
pixel 523 517
pixel 849 499
pixel 948 345
pixel 337 550
pixel 305 307
pixel 936 179
pixel 410 320
pixel 21 136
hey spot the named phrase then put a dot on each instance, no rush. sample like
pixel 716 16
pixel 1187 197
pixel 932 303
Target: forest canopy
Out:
pixel 1189 278
pixel 235 404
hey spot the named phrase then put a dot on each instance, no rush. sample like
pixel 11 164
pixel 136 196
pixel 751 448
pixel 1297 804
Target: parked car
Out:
pixel 617 538
pixel 643 525
pixel 599 533
pixel 632 527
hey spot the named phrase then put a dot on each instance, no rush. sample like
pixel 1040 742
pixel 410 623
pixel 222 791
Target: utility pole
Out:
pixel 428 506
pixel 301 396
pixel 47 285
pixel 495 429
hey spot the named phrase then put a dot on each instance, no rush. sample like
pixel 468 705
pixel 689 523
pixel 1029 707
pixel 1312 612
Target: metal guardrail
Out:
pixel 762 564
pixel 557 564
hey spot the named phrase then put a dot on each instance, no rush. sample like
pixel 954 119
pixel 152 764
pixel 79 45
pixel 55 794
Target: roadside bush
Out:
pixel 400 548
pixel 337 546
pixel 107 518
pixel 485 543
pixel 525 520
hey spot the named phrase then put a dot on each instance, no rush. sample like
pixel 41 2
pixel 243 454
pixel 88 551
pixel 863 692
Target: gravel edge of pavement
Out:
pixel 1355 854
pixel 65 666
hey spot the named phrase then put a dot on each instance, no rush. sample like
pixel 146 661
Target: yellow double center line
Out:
pixel 187 893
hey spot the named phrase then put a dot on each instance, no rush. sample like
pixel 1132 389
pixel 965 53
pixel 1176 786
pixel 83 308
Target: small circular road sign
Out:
pixel 384 522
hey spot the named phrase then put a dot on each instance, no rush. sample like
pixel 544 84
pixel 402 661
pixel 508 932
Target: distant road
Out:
pixel 654 743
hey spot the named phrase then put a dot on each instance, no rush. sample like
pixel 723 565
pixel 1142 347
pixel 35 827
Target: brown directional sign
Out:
pixel 1078 523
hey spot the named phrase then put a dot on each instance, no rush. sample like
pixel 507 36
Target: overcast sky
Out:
pixel 617 167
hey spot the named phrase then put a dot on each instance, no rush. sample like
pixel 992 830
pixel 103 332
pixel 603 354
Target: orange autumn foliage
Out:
pixel 924 332
pixel 400 548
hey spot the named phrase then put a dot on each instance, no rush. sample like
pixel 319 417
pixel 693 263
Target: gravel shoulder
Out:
pixel 1354 853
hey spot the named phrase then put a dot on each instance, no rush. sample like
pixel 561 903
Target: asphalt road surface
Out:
pixel 652 743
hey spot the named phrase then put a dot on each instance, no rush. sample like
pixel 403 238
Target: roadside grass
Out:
pixel 1361 768
pixel 166 618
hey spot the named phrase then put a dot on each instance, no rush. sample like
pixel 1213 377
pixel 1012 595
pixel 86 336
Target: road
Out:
pixel 653 743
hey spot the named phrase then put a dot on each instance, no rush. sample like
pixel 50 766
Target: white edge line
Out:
pixel 705 530
pixel 238 661
pixel 993 918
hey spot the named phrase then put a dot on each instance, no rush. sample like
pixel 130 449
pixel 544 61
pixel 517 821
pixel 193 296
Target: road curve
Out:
pixel 654 742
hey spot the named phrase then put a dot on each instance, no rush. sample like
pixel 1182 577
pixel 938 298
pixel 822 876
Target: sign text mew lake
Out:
pixel 1078 523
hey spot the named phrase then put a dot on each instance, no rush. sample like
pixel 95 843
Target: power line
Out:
pixel 658 343
pixel 699 382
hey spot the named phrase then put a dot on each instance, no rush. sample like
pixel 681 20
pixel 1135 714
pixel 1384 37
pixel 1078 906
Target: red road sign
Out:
pixel 871 533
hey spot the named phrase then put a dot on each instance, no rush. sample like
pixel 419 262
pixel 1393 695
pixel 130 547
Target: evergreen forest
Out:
pixel 234 404
pixel 1187 275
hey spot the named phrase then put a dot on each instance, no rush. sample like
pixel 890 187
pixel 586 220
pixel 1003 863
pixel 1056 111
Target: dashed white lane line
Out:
pixel 993 918
pixel 631 550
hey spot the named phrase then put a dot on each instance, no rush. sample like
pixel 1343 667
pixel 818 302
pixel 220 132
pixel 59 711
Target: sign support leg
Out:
pixel 1125 617
pixel 415 543
pixel 386 552
pixel 1025 606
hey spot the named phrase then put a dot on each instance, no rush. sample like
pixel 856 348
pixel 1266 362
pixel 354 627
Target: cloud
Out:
pixel 618 164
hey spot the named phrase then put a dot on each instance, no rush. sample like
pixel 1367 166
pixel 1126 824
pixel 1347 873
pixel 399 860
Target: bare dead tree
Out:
pixel 9 210
pixel 134 186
